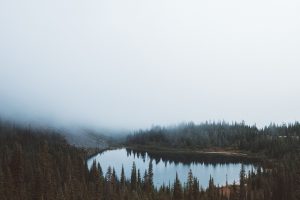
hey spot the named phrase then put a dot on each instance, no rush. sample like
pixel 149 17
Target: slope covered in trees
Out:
pixel 272 141
pixel 40 164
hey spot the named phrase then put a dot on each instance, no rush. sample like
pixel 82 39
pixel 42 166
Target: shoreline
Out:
pixel 226 154
pixel 190 155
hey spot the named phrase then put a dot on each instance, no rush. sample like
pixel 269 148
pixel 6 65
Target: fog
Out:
pixel 135 63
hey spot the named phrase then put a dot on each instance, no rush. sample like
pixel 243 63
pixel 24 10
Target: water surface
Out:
pixel 165 172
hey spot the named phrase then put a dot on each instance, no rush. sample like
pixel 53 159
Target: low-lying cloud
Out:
pixel 132 64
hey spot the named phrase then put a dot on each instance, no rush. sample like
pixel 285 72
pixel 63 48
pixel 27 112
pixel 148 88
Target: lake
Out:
pixel 165 171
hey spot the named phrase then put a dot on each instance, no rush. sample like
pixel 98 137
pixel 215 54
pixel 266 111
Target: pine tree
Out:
pixel 108 175
pixel 190 185
pixel 177 189
pixel 133 177
pixel 122 178
pixel 114 180
pixel 195 188
pixel 211 188
pixel 145 180
pixel 149 183
pixel 95 181
pixel 100 170
pixel 139 178
pixel 233 192
pixel 242 184
pixel 150 174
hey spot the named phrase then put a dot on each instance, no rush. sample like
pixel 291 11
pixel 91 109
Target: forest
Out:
pixel 40 164
pixel 273 141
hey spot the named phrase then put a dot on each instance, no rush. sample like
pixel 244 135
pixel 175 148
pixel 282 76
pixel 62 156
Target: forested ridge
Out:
pixel 273 141
pixel 40 164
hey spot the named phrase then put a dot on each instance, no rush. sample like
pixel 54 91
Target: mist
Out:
pixel 133 64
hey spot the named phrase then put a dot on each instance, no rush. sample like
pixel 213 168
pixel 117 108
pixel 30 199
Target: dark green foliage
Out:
pixel 39 164
pixel 133 179
pixel 242 184
pixel 150 175
pixel 122 178
pixel 235 136
pixel 177 189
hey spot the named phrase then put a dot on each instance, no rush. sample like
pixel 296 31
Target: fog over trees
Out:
pixel 133 64
pixel 80 77
pixel 39 164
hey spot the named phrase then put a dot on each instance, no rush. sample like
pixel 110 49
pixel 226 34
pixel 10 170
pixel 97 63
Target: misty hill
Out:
pixel 77 136
pixel 40 164
pixel 236 136
pixel 93 138
pixel 88 139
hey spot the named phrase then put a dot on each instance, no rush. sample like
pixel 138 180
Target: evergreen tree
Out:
pixel 211 188
pixel 100 170
pixel 122 178
pixel 133 179
pixel 139 178
pixel 195 188
pixel 145 180
pixel 177 189
pixel 233 192
pixel 242 184
pixel 190 185
pixel 150 175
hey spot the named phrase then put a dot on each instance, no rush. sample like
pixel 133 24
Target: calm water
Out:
pixel 165 172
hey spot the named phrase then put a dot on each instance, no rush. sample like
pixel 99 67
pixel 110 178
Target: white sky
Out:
pixel 135 63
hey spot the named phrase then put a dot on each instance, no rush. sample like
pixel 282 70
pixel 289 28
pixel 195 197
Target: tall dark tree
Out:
pixel 211 188
pixel 139 178
pixel 122 178
pixel 242 184
pixel 177 189
pixel 150 174
pixel 133 179
pixel 190 185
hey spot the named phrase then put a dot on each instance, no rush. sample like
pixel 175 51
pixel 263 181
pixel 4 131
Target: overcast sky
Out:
pixel 135 63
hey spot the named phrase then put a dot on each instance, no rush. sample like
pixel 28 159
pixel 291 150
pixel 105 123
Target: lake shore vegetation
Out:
pixel 40 164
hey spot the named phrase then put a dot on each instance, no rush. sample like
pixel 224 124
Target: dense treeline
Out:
pixel 273 141
pixel 190 157
pixel 278 144
pixel 40 164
